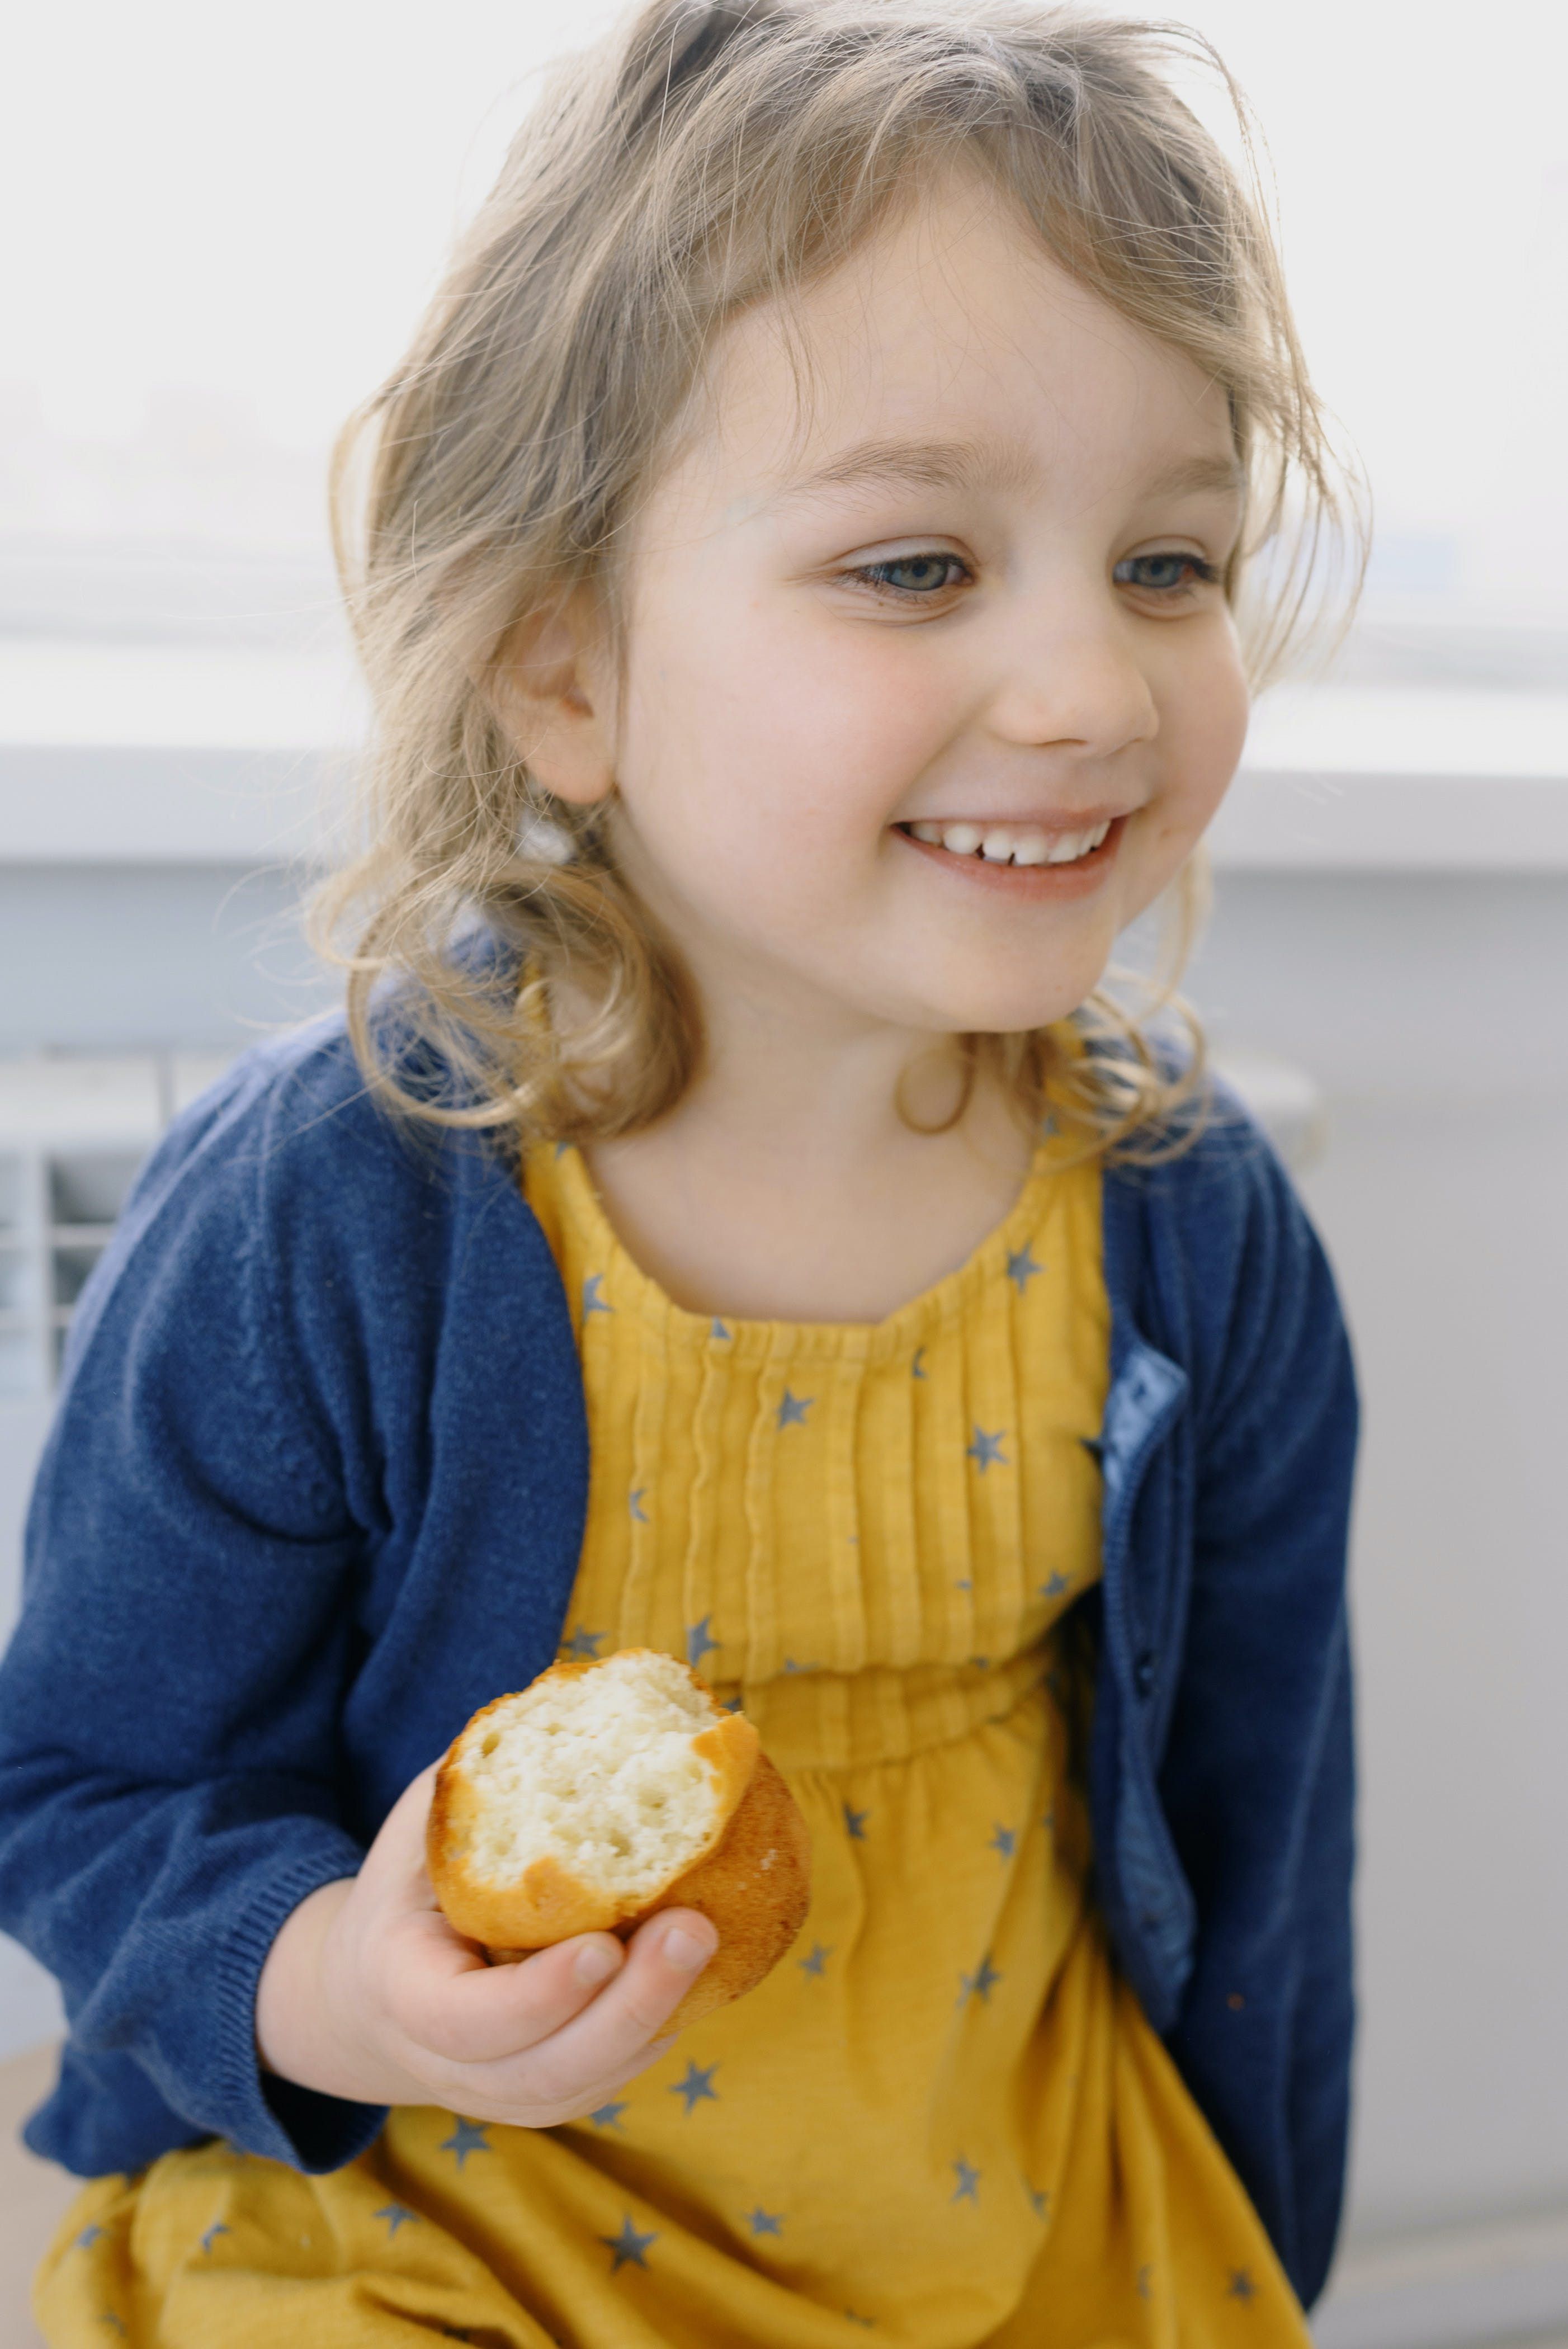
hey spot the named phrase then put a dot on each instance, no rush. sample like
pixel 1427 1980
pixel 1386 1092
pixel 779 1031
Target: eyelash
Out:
pixel 1200 569
pixel 874 575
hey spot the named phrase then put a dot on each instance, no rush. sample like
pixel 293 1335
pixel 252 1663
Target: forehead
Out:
pixel 955 326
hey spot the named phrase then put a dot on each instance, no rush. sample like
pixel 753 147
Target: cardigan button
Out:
pixel 1143 1673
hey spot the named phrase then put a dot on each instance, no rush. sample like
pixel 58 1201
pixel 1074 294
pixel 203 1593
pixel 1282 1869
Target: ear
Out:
pixel 551 689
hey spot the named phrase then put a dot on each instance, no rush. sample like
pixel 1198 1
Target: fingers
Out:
pixel 664 1958
pixel 470 2012
pixel 545 2034
pixel 616 2032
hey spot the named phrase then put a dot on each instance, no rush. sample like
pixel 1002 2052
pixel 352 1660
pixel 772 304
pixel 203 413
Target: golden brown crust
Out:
pixel 752 1879
pixel 755 1887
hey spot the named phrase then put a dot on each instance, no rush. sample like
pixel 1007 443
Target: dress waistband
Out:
pixel 837 1721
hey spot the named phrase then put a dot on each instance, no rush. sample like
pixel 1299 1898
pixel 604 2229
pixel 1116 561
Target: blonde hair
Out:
pixel 700 160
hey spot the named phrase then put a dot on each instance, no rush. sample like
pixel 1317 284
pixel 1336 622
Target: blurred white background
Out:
pixel 220 226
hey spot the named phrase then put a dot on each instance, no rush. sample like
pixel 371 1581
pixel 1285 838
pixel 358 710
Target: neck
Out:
pixel 793 1180
pixel 774 1086
pixel 790 1077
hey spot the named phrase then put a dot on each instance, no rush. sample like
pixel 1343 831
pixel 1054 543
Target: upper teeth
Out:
pixel 1012 844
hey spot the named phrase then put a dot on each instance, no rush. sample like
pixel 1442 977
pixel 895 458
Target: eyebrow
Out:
pixel 914 464
pixel 966 464
pixel 1224 476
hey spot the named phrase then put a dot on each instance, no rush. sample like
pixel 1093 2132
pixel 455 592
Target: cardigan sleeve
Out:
pixel 168 1781
pixel 1258 1779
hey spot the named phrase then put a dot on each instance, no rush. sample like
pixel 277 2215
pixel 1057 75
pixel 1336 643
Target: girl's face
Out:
pixel 930 685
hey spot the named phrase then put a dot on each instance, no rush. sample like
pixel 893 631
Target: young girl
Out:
pixel 798 568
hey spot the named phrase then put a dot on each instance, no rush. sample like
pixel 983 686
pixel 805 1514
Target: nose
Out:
pixel 1071 680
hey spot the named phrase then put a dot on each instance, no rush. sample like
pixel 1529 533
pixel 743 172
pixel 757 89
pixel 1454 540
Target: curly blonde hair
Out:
pixel 701 160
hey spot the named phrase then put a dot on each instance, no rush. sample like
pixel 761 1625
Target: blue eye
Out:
pixel 1164 575
pixel 915 575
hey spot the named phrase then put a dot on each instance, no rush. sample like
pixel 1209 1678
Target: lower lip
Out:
pixel 1034 884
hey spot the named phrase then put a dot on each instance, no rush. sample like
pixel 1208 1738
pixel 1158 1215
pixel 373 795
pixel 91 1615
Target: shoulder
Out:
pixel 1212 1255
pixel 289 1202
pixel 1211 1171
pixel 302 1288
pixel 292 1128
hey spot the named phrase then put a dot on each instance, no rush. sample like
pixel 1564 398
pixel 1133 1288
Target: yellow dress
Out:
pixel 942 2117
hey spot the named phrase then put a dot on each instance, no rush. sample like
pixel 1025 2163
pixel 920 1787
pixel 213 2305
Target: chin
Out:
pixel 1012 1010
pixel 1008 994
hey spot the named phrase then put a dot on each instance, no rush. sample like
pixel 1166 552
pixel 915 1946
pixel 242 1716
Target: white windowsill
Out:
pixel 191 754
pixel 1400 780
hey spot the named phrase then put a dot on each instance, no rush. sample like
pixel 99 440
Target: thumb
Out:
pixel 394 1865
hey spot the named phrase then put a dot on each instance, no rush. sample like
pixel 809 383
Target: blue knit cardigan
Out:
pixel 315 1491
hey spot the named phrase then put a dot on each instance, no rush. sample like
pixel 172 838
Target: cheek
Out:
pixel 754 730
pixel 1205 725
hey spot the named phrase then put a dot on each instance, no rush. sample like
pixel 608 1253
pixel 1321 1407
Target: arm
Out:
pixel 1258 1779
pixel 174 1787
pixel 169 1788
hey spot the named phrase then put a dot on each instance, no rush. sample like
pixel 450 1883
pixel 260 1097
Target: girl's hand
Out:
pixel 368 1993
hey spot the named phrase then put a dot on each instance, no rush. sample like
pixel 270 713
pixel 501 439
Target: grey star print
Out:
pixel 1022 1268
pixel 699 1644
pixel 696 2085
pixel 986 1449
pixel 628 2245
pixel 468 2136
pixel 981 1982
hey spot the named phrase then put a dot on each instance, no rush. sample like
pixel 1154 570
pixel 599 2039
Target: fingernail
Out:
pixel 685 1950
pixel 596 1963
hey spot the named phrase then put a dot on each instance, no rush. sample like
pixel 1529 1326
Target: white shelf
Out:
pixel 1393 780
pixel 1290 821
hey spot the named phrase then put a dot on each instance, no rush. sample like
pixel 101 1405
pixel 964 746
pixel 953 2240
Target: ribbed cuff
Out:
pixel 261 2114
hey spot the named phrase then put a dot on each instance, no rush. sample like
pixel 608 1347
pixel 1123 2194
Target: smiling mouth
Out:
pixel 1016 845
